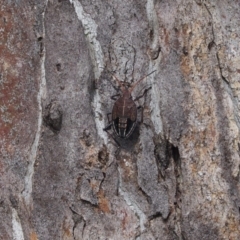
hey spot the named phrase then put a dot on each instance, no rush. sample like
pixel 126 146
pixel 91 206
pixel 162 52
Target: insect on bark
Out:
pixel 124 112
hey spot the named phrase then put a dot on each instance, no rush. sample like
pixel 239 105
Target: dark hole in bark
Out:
pixel 175 153
pixel 164 150
pixel 58 66
pixel 40 42
pixel 210 45
pixel 156 215
pixel 151 34
pixel 53 116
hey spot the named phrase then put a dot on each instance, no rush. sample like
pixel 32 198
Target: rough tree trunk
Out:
pixel 177 177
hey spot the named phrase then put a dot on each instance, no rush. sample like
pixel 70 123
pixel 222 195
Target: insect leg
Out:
pixel 108 127
pixel 110 135
pixel 142 95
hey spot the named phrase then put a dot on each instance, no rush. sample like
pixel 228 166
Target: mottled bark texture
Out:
pixel 176 177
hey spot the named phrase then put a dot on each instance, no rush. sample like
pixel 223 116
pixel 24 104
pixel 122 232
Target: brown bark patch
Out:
pixel 33 236
pixel 15 70
pixel 103 202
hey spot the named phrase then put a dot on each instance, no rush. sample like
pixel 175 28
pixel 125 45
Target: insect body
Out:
pixel 124 115
pixel 124 112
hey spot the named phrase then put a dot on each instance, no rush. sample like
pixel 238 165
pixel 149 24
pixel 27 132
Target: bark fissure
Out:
pixel 153 64
pixel 77 218
pixel 27 192
pixel 133 205
pixel 17 226
pixel 96 54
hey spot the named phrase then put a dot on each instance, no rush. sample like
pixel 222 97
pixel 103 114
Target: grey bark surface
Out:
pixel 176 177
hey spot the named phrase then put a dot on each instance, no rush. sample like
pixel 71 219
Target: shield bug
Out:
pixel 124 112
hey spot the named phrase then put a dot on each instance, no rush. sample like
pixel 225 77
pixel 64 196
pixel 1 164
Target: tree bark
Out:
pixel 176 177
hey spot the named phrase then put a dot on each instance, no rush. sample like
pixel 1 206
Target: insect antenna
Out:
pixel 136 83
pixel 120 83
